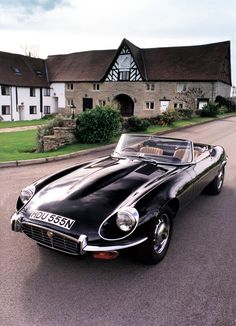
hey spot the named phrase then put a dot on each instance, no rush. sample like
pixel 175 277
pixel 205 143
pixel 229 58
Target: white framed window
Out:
pixel 6 110
pixel 5 90
pixel 46 92
pixel 32 92
pixel 181 87
pixel 69 86
pixel 150 87
pixel 33 109
pixel 149 105
pixel 202 102
pixel 96 87
pixel 124 75
pixel 178 105
pixel 70 102
pixel 47 109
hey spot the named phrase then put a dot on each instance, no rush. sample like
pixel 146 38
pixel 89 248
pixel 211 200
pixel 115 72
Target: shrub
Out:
pixel 166 118
pixel 210 110
pixel 98 125
pixel 45 130
pixel 227 103
pixel 186 113
pixel 136 124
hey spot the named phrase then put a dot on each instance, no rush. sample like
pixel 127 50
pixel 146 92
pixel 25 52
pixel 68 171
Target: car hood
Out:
pixel 91 193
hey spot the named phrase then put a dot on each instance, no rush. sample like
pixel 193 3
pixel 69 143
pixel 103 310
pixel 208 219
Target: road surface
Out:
pixel 195 285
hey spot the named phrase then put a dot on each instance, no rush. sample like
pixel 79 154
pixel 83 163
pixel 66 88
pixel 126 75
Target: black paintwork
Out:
pixel 93 191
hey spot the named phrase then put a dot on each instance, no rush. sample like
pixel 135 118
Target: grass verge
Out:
pixel 14 124
pixel 15 146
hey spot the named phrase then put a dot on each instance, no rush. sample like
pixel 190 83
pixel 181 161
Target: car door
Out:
pixel 204 170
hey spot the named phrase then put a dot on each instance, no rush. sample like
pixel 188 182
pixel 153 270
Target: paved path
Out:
pixel 17 129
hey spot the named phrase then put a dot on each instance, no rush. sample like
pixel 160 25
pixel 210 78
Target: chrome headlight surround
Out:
pixel 127 218
pixel 27 193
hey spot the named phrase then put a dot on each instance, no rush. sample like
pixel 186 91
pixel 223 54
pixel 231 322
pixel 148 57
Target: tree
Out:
pixel 30 50
pixel 190 97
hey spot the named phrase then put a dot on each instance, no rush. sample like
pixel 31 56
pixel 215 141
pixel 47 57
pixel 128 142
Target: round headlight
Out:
pixel 27 193
pixel 127 218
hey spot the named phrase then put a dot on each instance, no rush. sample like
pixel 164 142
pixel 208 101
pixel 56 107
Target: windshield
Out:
pixel 161 149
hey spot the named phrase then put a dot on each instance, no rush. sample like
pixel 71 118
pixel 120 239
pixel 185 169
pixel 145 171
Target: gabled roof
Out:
pixel 135 52
pixel 20 70
pixel 210 62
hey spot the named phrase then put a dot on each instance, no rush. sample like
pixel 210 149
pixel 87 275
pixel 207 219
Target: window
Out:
pixel 69 87
pixel 6 110
pixel 202 102
pixel 47 109
pixel 5 90
pixel 39 73
pixel 181 87
pixel 102 103
pixel 150 87
pixel 33 109
pixel 32 91
pixel 178 106
pixel 96 87
pixel 123 75
pixel 149 105
pixel 46 91
pixel 70 102
pixel 16 71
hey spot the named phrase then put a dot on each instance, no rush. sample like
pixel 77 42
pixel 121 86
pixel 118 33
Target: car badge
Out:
pixel 50 234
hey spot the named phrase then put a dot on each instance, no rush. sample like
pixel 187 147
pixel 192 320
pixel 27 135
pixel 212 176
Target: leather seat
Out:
pixel 151 150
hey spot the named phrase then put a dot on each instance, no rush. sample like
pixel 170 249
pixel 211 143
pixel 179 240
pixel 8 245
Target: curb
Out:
pixel 93 150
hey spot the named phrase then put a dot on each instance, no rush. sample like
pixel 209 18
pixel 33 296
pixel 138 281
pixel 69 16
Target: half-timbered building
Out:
pixel 143 82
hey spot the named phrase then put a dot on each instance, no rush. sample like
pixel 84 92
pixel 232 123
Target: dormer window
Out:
pixel 16 71
pixel 39 73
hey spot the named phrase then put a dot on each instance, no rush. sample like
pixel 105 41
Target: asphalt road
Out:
pixel 195 285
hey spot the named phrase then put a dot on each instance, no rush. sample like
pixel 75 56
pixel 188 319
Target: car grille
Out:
pixel 50 239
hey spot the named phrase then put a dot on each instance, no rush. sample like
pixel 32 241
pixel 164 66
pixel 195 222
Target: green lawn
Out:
pixel 20 145
pixel 13 124
pixel 16 146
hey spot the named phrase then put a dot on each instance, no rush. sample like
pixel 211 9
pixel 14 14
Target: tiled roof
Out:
pixel 81 66
pixel 210 62
pixel 20 70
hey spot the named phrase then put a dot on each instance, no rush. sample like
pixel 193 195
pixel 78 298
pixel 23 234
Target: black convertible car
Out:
pixel 128 199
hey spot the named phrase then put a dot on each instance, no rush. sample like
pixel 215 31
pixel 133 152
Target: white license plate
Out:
pixel 61 221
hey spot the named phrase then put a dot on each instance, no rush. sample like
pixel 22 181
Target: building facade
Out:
pixel 143 82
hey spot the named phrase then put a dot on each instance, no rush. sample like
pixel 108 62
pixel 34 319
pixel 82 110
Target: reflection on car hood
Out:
pixel 89 194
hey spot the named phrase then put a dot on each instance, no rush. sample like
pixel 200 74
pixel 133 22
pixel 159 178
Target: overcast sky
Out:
pixel 65 26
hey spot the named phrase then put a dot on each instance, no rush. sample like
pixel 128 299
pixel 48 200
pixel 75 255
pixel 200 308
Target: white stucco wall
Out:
pixel 58 93
pixel 20 98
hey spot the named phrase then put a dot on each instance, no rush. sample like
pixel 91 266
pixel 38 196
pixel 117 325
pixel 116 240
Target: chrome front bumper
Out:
pixel 45 236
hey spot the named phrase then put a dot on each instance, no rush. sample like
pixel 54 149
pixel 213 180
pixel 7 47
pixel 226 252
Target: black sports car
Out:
pixel 127 199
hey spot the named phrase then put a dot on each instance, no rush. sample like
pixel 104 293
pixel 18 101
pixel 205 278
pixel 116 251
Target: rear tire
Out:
pixel 215 187
pixel 153 250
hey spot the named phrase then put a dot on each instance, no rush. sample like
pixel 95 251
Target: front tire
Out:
pixel 154 249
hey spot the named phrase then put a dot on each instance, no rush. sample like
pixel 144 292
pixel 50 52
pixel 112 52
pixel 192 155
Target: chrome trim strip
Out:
pixel 111 248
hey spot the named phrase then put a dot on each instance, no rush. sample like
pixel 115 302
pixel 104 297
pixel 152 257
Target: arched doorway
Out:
pixel 125 105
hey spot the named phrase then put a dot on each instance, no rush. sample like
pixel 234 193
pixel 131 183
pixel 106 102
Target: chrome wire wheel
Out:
pixel 161 233
pixel 220 179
